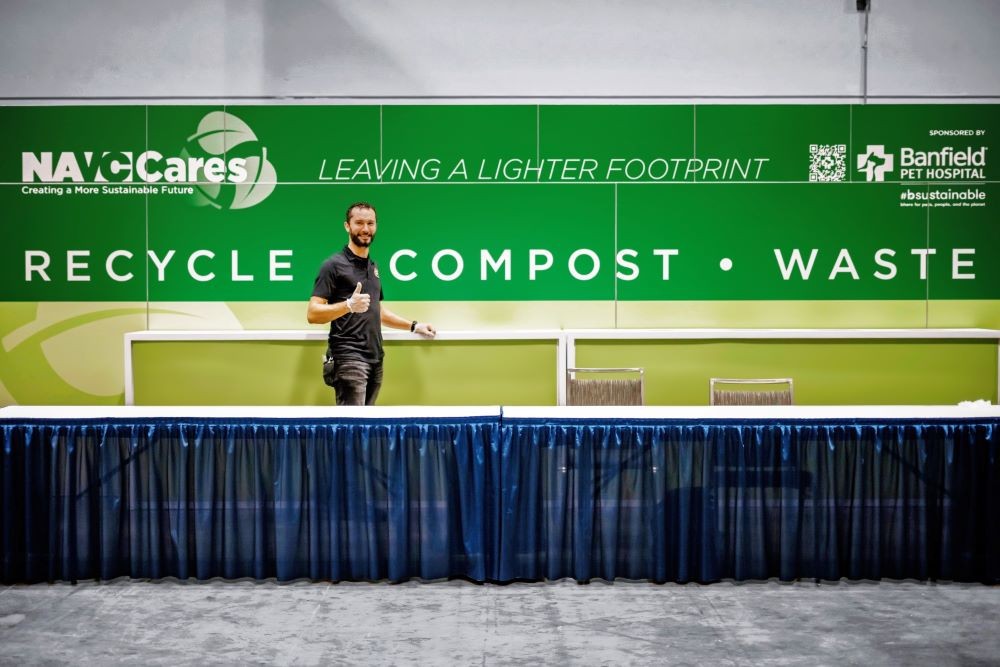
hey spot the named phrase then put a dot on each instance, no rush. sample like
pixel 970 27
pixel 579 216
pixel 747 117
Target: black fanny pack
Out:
pixel 328 368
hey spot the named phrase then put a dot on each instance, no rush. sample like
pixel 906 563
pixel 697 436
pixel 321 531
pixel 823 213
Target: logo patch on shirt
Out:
pixel 376 272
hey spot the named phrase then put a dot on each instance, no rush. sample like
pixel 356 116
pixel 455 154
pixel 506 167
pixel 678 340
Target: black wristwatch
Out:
pixel 413 325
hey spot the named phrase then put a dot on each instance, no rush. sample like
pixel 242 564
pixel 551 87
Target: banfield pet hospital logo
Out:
pixel 948 163
pixel 223 164
pixel 875 162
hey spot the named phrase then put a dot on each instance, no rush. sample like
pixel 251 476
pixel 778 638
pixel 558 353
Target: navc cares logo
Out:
pixel 223 164
pixel 875 162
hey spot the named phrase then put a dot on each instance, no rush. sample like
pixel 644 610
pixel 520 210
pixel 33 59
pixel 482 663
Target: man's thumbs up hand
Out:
pixel 358 302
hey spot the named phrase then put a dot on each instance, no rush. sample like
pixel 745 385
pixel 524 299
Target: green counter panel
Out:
pixel 289 373
pixel 827 372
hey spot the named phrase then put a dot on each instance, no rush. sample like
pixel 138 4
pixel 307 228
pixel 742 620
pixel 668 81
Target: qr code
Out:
pixel 827 162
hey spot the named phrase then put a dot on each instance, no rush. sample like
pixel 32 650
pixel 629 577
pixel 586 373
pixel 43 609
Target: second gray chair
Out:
pixel 750 391
pixel 605 391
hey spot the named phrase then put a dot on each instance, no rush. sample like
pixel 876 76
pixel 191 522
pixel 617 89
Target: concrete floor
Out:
pixel 456 622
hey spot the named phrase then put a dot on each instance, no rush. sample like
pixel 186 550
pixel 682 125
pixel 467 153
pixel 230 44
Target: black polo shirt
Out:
pixel 355 335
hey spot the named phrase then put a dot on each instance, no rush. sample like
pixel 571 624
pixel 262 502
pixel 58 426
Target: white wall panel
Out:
pixel 533 48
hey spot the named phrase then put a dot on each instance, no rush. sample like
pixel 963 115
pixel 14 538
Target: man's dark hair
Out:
pixel 358 204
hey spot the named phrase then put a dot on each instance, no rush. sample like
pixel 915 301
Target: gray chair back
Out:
pixel 584 388
pixel 751 391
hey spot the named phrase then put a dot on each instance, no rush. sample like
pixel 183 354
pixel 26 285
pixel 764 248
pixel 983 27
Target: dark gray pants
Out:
pixel 354 382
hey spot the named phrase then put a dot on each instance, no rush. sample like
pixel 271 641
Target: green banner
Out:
pixel 485 203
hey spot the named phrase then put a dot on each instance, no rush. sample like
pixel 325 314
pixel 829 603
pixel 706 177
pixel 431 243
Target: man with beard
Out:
pixel 348 295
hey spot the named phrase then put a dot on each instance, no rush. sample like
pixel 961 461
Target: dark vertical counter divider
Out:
pixel 500 499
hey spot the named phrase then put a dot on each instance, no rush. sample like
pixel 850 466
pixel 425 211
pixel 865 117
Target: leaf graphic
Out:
pixel 219 131
pixel 207 194
pixel 258 185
